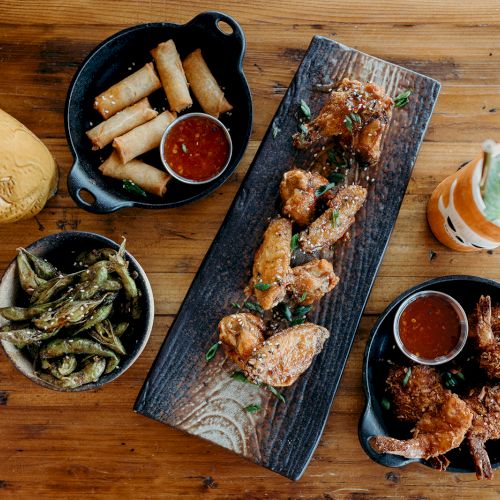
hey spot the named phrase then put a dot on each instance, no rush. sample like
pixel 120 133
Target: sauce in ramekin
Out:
pixel 196 148
pixel 429 327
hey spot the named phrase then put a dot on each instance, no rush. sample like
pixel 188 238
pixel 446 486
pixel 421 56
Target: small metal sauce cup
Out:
pixel 171 171
pixel 464 328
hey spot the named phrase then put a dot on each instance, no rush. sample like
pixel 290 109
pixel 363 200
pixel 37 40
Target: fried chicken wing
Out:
pixel 435 432
pixel 240 335
pixel 334 222
pixel 422 393
pixel 358 114
pixel 487 343
pixel 311 281
pixel 297 190
pixel 272 264
pixel 485 405
pixel 282 358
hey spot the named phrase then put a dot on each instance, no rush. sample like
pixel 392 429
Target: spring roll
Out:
pixel 128 91
pixel 142 139
pixel 173 79
pixel 204 86
pixel 147 177
pixel 128 119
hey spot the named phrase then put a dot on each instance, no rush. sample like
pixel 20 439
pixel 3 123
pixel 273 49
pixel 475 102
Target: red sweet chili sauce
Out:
pixel 429 327
pixel 196 148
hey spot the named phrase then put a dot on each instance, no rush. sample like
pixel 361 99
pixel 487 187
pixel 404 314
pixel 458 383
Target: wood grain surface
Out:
pixel 182 389
pixel 75 445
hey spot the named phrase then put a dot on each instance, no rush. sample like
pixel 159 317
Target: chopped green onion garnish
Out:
pixel 276 131
pixel 211 352
pixel 355 117
pixel 302 310
pixel 303 297
pixel 287 313
pixel 253 307
pixel 305 109
pixel 336 177
pixel 335 218
pixel 252 408
pixel 276 393
pixel 323 189
pixel 303 128
pixel 402 99
pixel 348 123
pixel 235 305
pixel 184 148
pixel 133 188
pixel 407 377
pixel 297 321
pixel 240 377
pixel 386 405
pixel 262 286
pixel 294 242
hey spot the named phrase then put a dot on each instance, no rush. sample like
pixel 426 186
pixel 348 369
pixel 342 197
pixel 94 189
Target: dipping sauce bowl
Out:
pixel 196 148
pixel 430 327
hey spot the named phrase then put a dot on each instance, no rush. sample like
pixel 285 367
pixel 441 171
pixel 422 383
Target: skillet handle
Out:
pixel 369 425
pixel 97 200
pixel 234 41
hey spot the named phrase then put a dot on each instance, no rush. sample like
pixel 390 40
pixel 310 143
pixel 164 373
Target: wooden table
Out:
pixel 72 445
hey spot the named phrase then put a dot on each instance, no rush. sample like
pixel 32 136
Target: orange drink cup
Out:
pixel 456 210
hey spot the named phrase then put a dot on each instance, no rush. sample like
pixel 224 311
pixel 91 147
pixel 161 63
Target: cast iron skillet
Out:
pixel 382 347
pixel 120 55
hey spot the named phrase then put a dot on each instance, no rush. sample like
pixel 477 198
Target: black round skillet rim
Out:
pixel 109 202
pixel 368 419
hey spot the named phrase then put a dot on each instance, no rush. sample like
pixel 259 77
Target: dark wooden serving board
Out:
pixel 185 391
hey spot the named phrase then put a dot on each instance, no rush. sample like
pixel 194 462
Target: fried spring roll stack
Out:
pixel 271 267
pixel 204 85
pixel 131 117
pixel 172 75
pixel 334 222
pixel 143 138
pixel 128 91
pixel 147 177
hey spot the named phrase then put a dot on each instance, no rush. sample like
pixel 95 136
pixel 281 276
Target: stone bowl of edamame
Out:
pixel 76 311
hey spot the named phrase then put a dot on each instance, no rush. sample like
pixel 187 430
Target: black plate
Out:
pixel 382 347
pixel 185 391
pixel 120 55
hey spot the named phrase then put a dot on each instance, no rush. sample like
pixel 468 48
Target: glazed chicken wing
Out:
pixel 487 343
pixel 297 191
pixel 435 433
pixel 485 405
pixel 334 222
pixel 358 114
pixel 272 264
pixel 240 335
pixel 311 281
pixel 286 355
